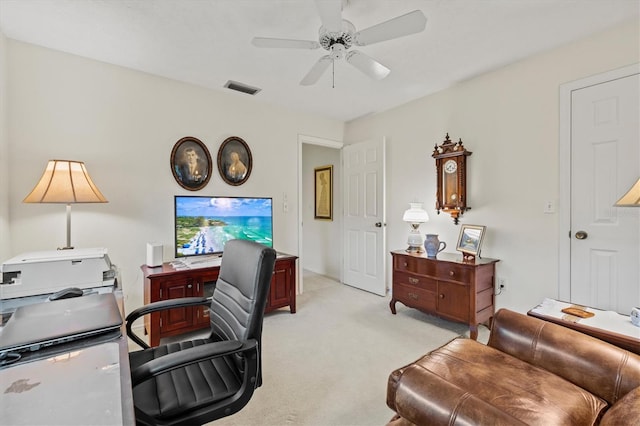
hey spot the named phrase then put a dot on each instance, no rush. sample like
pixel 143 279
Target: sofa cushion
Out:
pixel 440 402
pixel 625 412
pixel 521 390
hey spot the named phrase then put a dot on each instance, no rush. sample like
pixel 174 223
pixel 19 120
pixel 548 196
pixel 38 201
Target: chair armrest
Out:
pixel 160 306
pixel 189 356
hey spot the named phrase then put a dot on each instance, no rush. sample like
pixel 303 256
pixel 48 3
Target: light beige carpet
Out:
pixel 328 364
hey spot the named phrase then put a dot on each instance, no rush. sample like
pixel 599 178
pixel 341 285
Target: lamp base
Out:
pixel 415 242
pixel 65 248
pixel 414 249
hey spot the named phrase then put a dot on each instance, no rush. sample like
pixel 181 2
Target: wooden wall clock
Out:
pixel 451 166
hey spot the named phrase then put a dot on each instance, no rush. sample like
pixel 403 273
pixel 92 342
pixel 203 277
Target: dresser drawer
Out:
pixel 416 265
pixel 453 272
pixel 413 280
pixel 414 297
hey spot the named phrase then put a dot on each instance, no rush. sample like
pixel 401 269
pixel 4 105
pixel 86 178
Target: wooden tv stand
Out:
pixel 166 282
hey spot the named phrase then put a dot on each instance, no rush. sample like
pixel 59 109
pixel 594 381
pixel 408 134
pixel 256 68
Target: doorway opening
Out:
pixel 319 241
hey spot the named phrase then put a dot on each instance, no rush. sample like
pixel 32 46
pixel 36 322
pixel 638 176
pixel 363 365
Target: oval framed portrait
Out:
pixel 234 161
pixel 191 163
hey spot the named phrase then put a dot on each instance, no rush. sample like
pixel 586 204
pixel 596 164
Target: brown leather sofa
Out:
pixel 530 372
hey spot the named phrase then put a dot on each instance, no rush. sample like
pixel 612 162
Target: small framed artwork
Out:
pixel 191 163
pixel 470 240
pixel 234 161
pixel 323 185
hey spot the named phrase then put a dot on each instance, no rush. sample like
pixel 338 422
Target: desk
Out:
pixel 126 391
pixel 62 400
pixel 197 278
pixel 605 325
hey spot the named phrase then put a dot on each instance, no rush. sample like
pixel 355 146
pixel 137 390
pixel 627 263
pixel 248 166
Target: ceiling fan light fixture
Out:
pixel 337 52
pixel 344 37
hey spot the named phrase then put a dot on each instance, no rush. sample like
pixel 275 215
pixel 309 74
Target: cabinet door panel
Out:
pixel 205 286
pixel 280 287
pixel 178 318
pixel 453 300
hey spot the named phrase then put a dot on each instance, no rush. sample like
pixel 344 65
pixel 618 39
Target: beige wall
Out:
pixel 509 119
pixel 123 125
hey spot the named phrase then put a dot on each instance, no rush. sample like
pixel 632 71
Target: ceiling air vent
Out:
pixel 241 87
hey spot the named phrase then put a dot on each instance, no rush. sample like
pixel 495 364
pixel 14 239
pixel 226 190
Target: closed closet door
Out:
pixel 605 162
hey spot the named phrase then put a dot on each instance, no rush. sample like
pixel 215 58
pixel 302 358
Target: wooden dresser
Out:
pixel 446 286
pixel 166 282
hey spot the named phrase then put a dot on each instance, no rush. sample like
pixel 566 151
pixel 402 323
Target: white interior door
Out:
pixel 364 216
pixel 605 162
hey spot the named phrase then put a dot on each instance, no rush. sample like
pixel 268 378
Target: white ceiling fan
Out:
pixel 337 35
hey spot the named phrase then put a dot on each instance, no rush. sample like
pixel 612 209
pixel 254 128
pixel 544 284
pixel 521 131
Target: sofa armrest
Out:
pixel 603 369
pixel 624 412
pixel 422 397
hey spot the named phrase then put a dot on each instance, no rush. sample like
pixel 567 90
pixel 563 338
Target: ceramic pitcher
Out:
pixel 433 245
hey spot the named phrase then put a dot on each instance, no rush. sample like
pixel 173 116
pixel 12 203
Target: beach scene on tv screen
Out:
pixel 204 224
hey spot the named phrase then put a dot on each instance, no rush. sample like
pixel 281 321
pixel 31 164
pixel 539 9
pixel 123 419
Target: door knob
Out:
pixel 378 224
pixel 581 235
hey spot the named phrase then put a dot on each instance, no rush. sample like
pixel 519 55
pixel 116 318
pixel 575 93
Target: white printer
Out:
pixel 46 272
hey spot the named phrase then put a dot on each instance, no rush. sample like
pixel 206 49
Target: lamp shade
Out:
pixel 415 214
pixel 632 197
pixel 65 182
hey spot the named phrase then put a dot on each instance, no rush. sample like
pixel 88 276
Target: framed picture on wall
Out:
pixel 323 191
pixel 234 161
pixel 191 163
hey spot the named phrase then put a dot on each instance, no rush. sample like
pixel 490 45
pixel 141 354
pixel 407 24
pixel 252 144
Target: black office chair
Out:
pixel 198 381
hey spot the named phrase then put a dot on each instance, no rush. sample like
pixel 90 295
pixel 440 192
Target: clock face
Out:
pixel 450 183
pixel 450 166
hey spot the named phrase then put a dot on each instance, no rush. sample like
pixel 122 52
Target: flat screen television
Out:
pixel 204 224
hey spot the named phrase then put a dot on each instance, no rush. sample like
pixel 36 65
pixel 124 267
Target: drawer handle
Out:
pixel 441 296
pixel 451 273
pixel 413 296
pixel 189 286
pixel 406 264
pixel 414 280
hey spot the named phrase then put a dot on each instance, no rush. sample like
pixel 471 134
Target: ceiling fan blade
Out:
pixel 410 23
pixel 330 12
pixel 367 65
pixel 284 43
pixel 316 71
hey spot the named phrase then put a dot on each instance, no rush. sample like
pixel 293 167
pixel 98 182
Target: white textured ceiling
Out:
pixel 207 42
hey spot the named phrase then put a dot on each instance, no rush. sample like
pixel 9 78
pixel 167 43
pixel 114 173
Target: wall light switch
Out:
pixel 549 207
